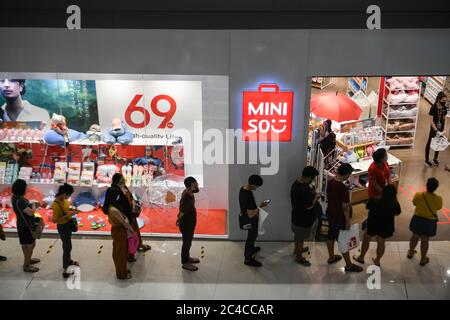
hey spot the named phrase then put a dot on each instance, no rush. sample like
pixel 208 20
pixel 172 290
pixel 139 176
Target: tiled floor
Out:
pixel 222 275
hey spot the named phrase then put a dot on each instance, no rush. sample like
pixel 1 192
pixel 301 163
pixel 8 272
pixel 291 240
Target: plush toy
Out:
pixel 59 133
pixel 148 159
pixel 118 133
pixel 94 133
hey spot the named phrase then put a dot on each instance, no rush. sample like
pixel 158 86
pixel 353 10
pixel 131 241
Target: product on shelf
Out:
pixel 87 175
pixel 11 173
pixel 399 110
pixel 2 172
pixel 73 177
pixel 60 172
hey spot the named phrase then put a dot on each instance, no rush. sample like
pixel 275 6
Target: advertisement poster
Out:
pixel 38 99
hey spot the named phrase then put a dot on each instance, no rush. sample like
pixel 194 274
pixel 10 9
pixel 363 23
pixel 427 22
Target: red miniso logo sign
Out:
pixel 267 114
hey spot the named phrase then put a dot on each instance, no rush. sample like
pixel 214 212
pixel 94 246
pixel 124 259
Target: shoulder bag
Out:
pixel 432 212
pixel 37 224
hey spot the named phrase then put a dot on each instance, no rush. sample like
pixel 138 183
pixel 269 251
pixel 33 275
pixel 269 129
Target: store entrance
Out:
pixel 391 112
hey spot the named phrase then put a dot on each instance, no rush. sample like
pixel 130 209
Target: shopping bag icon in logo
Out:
pixel 267 115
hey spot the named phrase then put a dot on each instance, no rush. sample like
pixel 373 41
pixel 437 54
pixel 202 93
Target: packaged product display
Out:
pixel 400 109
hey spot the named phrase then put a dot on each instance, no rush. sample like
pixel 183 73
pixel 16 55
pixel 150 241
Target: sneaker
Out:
pixel 189 267
pixel 435 162
pixel 428 163
pixel 253 263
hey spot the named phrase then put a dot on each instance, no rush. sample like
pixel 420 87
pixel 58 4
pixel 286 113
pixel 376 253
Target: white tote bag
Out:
pixel 439 143
pixel 348 239
pixel 263 214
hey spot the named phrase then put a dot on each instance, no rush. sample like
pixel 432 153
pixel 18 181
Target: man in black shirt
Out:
pixel 249 218
pixel 186 221
pixel 304 203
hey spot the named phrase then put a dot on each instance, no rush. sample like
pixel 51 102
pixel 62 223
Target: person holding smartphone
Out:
pixel 250 213
pixel 62 216
pixel 304 205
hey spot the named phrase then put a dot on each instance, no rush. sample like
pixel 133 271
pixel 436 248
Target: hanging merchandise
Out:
pixel 118 133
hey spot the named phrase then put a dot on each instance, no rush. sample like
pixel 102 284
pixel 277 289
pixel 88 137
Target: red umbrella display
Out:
pixel 335 106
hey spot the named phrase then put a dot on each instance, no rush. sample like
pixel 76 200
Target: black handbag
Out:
pixel 247 223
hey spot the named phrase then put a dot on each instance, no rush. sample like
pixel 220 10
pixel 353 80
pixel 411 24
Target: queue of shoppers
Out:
pixel 122 211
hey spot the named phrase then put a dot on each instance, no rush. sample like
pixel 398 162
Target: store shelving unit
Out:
pixel 321 82
pixel 392 120
pixel 435 84
pixel 357 84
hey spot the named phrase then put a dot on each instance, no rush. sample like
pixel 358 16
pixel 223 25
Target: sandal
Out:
pixel 335 259
pixel 30 269
pixel 34 260
pixel 356 258
pixel 304 262
pixel 144 248
pixel 74 263
pixel 189 267
pixel 194 260
pixel 411 254
pixel 425 261
pixel 375 262
pixel 67 274
pixel 353 268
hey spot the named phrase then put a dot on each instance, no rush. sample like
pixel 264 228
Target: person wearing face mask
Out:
pixel 118 208
pixel 249 218
pixel 62 216
pixel 437 113
pixel 186 221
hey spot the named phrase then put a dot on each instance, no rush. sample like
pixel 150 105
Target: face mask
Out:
pixel 196 190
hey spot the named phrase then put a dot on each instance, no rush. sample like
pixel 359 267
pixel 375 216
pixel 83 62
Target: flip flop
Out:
pixel 356 258
pixel 304 262
pixel 30 269
pixel 354 268
pixel 425 262
pixel 335 259
pixel 411 255
pixel 144 248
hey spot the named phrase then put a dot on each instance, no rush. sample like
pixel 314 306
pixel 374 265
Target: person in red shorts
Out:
pixel 379 174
